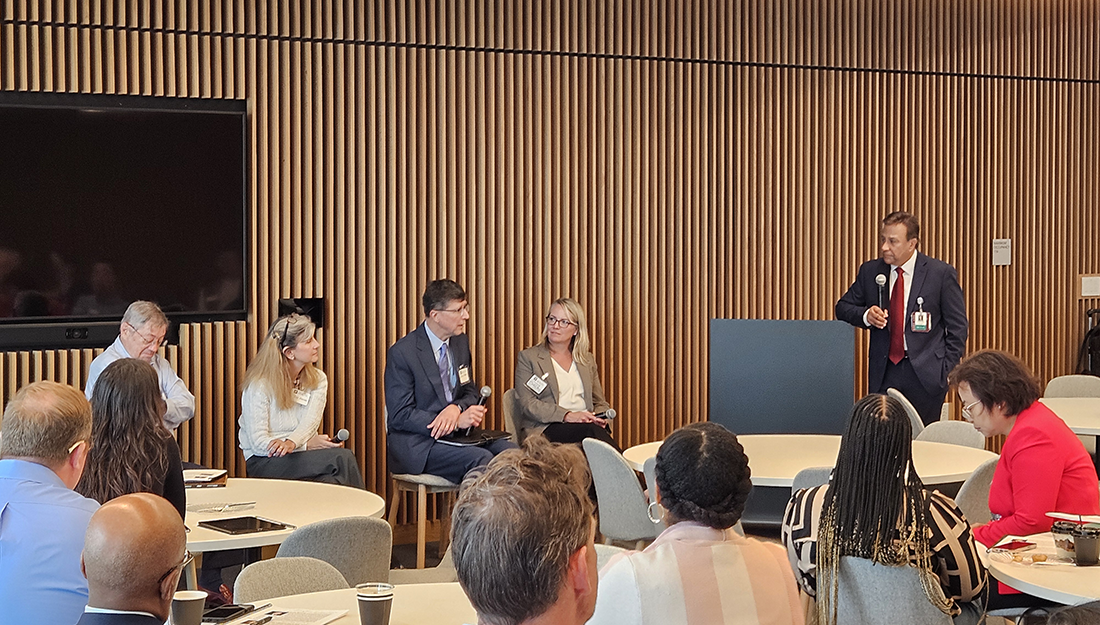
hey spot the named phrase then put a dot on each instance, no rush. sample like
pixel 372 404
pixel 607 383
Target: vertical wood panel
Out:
pixel 735 163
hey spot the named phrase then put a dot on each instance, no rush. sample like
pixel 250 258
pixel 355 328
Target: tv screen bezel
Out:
pixel 79 332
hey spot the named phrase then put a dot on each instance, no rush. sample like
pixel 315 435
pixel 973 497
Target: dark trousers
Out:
pixel 577 432
pixel 902 377
pixel 332 466
pixel 452 463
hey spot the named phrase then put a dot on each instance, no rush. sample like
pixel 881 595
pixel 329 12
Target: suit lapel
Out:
pixel 586 381
pixel 429 362
pixel 546 365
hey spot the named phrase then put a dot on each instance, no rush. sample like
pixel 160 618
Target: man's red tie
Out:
pixel 897 319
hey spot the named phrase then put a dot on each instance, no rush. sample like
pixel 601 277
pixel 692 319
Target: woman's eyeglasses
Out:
pixel 554 322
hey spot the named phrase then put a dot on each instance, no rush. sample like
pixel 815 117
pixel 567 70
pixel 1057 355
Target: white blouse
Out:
pixel 570 387
pixel 262 420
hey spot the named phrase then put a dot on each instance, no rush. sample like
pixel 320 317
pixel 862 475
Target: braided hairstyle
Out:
pixel 703 475
pixel 876 507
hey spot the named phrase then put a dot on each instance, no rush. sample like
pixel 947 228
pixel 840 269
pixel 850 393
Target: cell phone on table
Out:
pixel 227 612
pixel 1015 546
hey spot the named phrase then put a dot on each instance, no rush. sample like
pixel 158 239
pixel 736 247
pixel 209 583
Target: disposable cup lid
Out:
pixel 374 591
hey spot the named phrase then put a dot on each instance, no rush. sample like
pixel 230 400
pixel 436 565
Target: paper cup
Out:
pixel 375 600
pixel 187 607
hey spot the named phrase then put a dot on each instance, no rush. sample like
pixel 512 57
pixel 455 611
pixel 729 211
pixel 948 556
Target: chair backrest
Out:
pixel 279 577
pixel 875 594
pixel 973 497
pixel 622 504
pixel 443 573
pixel 810 477
pixel 1073 386
pixel 359 547
pixel 914 416
pixel 605 553
pixel 649 469
pixel 509 407
pixel 953 432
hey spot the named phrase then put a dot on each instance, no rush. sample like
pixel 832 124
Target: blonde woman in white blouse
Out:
pixel 557 385
pixel 281 407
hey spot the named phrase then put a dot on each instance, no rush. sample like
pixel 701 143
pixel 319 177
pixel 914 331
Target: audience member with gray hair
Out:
pixel 43 448
pixel 140 335
pixel 134 552
pixel 523 537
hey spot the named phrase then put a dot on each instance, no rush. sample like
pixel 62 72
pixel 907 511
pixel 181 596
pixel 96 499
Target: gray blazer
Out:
pixel 535 412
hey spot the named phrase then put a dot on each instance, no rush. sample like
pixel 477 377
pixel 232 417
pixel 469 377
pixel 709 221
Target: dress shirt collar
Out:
pixel 29 471
pixel 907 266
pixel 120 349
pixel 91 610
pixel 436 341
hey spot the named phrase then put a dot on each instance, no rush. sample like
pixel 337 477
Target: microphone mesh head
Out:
pixel 486 391
pixel 880 279
pixel 342 435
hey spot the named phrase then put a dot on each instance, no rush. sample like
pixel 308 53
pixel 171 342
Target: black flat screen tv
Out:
pixel 109 199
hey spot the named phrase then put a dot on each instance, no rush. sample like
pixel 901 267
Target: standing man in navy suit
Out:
pixel 914 308
pixel 430 391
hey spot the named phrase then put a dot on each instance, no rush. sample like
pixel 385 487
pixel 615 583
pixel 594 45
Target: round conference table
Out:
pixel 1060 583
pixel 1081 414
pixel 776 458
pixel 413 604
pixel 288 501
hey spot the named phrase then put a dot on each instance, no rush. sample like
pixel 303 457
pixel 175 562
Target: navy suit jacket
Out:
pixel 91 618
pixel 933 354
pixel 415 396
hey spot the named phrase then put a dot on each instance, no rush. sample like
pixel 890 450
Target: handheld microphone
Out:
pixel 340 436
pixel 608 414
pixel 880 280
pixel 485 393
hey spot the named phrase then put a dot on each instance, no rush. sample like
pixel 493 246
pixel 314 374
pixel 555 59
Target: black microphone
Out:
pixel 485 393
pixel 880 280
pixel 340 436
pixel 608 414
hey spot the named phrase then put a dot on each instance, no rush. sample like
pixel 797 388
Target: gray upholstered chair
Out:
pixel 622 504
pixel 445 572
pixel 359 547
pixel 914 416
pixel 810 477
pixel 953 432
pixel 509 406
pixel 973 497
pixel 423 484
pixel 862 585
pixel 649 469
pixel 1073 386
pixel 279 577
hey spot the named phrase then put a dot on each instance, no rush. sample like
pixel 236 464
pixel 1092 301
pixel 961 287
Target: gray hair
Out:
pixel 43 421
pixel 142 312
pixel 515 526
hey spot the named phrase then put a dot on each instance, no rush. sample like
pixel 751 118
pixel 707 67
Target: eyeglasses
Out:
pixel 554 322
pixel 465 308
pixel 146 339
pixel 75 445
pixel 187 557
pixel 966 410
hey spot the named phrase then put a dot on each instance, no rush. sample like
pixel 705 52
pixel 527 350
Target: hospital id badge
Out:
pixel 536 384
pixel 300 397
pixel 463 375
pixel 922 322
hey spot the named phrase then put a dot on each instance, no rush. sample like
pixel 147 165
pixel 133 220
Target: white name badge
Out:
pixel 536 384
pixel 463 375
pixel 300 397
pixel 922 321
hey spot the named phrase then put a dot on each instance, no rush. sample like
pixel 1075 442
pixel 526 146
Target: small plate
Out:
pixel 1026 558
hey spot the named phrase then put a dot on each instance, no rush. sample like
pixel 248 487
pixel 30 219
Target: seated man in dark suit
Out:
pixel 134 552
pixel 431 392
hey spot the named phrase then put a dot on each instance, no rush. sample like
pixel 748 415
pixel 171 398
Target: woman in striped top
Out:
pixel 875 507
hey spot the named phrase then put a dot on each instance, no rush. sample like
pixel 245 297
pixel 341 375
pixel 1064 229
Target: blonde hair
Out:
pixel 43 421
pixel 272 367
pixel 580 345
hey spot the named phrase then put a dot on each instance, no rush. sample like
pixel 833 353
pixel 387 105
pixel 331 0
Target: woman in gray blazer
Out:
pixel 557 387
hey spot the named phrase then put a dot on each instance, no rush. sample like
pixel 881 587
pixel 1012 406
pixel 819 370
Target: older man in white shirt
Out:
pixel 140 335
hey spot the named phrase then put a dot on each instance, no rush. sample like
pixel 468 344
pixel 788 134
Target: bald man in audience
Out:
pixel 523 537
pixel 43 447
pixel 134 552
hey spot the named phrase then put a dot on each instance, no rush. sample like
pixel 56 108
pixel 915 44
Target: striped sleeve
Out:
pixel 799 535
pixel 955 557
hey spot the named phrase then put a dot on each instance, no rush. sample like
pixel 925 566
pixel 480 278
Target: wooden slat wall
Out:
pixel 663 162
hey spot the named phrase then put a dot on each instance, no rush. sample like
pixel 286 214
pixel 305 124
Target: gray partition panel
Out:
pixel 781 377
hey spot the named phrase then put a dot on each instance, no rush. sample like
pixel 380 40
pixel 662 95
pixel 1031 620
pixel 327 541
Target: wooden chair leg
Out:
pixel 421 524
pixel 445 524
pixel 395 505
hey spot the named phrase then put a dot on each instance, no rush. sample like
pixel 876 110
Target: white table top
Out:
pixel 413 604
pixel 1081 414
pixel 1066 584
pixel 776 458
pixel 288 501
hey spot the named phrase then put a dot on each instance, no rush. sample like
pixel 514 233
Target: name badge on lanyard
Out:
pixel 301 397
pixel 463 375
pixel 921 321
pixel 537 384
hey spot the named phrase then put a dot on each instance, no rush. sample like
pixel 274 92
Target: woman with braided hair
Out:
pixel 699 570
pixel 875 507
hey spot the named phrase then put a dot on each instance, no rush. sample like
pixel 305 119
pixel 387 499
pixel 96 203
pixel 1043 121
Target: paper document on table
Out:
pixel 292 617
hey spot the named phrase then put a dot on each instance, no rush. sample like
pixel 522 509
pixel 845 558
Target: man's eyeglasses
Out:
pixel 465 308
pixel 149 340
pixel 554 322
pixel 966 410
pixel 187 557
